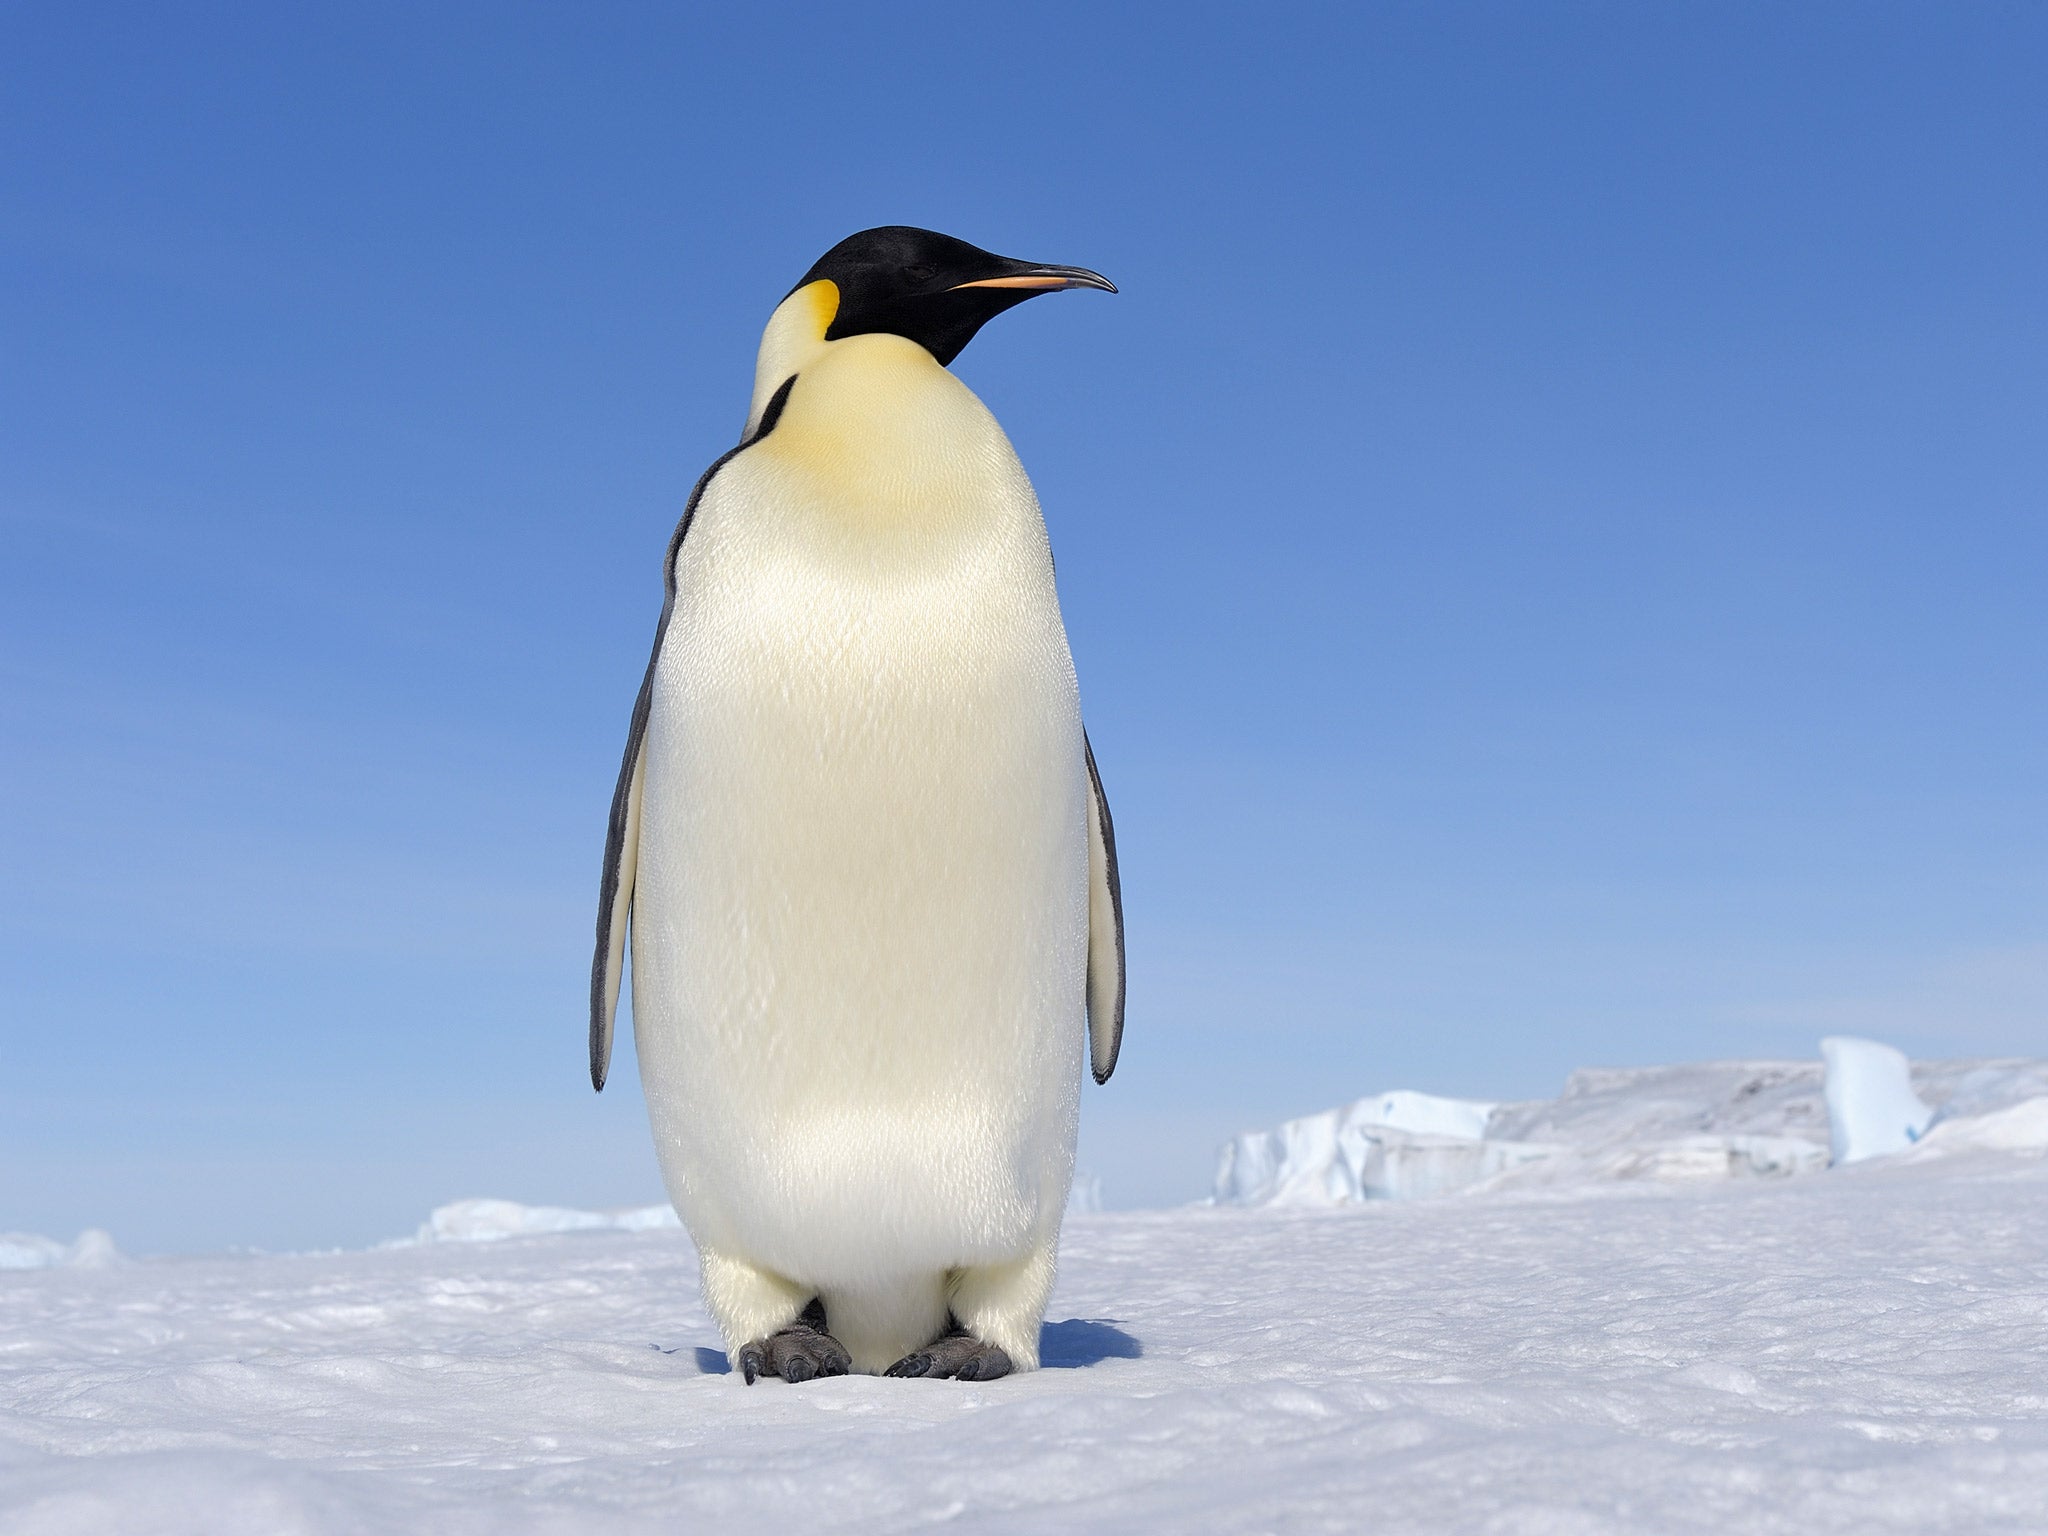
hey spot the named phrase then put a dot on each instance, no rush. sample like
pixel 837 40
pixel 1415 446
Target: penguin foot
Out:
pixel 959 1355
pixel 797 1353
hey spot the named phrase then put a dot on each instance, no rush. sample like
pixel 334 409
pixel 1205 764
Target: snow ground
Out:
pixel 1864 1350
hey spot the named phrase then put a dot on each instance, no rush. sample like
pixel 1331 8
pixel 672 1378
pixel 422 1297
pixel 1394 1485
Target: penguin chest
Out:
pixel 860 937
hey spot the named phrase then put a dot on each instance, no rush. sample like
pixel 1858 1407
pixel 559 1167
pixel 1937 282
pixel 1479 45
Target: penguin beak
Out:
pixel 1044 279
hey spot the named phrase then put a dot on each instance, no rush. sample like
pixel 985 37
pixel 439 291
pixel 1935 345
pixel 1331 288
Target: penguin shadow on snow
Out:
pixel 1072 1345
pixel 1083 1341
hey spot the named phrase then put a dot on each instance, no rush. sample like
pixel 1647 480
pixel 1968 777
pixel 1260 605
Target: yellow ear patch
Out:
pixel 823 297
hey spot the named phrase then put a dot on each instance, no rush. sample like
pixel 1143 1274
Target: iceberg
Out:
pixel 1689 1123
pixel 1392 1164
pixel 487 1221
pixel 1406 1110
pixel 93 1249
pixel 1872 1108
pixel 1401 1145
pixel 2021 1127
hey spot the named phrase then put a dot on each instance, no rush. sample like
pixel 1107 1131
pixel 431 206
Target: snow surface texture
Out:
pixel 1856 1353
pixel 1872 1108
pixel 1705 1121
pixel 1860 1352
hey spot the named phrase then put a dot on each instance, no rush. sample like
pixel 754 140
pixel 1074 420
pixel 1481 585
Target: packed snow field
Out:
pixel 1778 1348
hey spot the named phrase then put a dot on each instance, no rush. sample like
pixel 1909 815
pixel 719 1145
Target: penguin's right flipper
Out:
pixel 1105 931
pixel 622 832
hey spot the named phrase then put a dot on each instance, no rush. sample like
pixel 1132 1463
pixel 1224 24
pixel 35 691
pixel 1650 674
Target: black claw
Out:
pixel 796 1354
pixel 959 1355
pixel 986 1365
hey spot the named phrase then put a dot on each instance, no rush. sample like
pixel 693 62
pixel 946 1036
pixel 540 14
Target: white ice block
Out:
pixel 1085 1197
pixel 1399 1145
pixel 483 1221
pixel 1426 1113
pixel 28 1250
pixel 1872 1108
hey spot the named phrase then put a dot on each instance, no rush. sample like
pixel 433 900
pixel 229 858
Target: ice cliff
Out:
pixel 1705 1121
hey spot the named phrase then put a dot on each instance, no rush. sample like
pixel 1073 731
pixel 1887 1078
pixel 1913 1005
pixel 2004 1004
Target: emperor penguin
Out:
pixel 863 848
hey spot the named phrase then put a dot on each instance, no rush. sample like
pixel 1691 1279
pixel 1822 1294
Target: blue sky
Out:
pixel 1551 532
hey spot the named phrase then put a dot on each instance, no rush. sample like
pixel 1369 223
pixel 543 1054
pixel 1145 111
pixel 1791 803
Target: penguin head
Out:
pixel 929 288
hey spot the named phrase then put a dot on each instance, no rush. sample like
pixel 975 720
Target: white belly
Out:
pixel 860 927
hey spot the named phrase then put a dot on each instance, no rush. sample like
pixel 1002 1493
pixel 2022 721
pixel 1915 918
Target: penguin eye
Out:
pixel 922 273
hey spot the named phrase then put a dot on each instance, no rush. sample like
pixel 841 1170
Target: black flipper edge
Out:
pixel 622 832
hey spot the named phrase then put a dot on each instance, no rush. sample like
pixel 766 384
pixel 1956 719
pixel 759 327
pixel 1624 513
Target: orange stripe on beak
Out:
pixel 1035 280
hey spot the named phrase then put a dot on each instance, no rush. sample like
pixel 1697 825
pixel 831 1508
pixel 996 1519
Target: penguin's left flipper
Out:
pixel 959 1355
pixel 1105 930
pixel 798 1353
